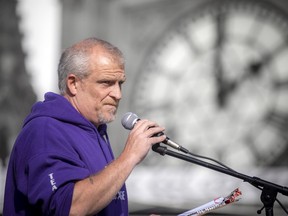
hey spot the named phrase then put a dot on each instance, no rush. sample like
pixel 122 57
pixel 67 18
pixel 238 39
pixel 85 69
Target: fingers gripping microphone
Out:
pixel 130 119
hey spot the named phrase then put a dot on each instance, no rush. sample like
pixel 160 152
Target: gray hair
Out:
pixel 76 59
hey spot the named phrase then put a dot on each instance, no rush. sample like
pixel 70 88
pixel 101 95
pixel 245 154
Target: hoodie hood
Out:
pixel 57 107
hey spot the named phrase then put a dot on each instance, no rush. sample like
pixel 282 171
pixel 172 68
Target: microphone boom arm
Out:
pixel 269 189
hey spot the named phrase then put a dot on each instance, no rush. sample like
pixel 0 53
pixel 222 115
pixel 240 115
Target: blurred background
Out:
pixel 214 73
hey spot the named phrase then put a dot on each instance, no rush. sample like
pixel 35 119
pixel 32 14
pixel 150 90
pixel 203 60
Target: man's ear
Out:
pixel 72 84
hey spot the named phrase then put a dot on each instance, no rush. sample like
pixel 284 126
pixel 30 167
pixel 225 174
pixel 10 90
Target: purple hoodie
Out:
pixel 56 147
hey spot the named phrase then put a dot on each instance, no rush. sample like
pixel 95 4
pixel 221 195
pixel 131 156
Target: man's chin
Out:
pixel 108 117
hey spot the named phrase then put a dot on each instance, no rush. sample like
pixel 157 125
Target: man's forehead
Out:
pixel 117 74
pixel 102 57
pixel 106 63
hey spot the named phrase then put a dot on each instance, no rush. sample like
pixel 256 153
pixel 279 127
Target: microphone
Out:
pixel 130 119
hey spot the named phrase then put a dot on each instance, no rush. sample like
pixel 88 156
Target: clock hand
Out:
pixel 254 69
pixel 221 83
pixel 226 88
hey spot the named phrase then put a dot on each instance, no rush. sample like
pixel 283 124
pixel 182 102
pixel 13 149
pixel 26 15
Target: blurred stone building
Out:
pixel 16 92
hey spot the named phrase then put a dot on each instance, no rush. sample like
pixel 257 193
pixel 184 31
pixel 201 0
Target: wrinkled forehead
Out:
pixel 106 64
pixel 112 75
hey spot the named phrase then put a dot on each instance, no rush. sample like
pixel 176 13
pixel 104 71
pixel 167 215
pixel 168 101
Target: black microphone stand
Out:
pixel 269 190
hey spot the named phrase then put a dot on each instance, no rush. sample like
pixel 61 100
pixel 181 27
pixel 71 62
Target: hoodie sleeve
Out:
pixel 51 181
pixel 48 164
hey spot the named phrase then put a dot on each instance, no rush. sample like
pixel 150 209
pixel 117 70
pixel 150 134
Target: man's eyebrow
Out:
pixel 112 78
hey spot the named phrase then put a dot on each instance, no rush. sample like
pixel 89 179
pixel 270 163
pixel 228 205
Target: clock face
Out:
pixel 218 81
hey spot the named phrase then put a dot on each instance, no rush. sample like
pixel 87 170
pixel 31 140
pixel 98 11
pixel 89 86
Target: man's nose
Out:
pixel 116 92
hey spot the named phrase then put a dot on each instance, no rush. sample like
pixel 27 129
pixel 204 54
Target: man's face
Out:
pixel 98 94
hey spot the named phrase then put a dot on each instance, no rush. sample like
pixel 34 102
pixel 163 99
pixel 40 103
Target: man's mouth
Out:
pixel 113 105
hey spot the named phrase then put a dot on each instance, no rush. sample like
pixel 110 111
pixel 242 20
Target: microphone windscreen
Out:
pixel 128 120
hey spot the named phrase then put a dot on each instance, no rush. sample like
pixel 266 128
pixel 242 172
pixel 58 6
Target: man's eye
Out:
pixel 106 82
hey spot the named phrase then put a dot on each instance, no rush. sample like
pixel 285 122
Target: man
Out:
pixel 62 162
